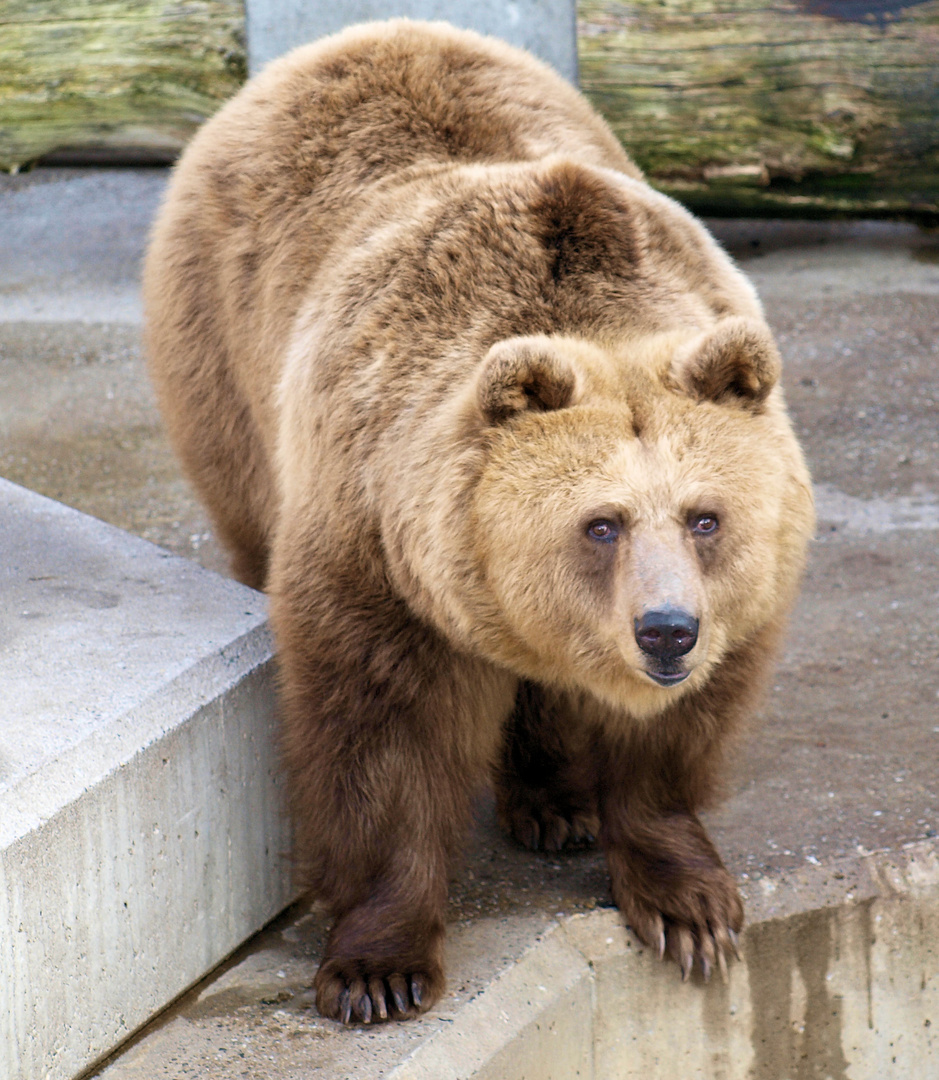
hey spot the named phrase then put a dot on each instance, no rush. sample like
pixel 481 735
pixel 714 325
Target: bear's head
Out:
pixel 641 511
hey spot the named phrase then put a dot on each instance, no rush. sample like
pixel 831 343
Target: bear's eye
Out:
pixel 604 531
pixel 704 524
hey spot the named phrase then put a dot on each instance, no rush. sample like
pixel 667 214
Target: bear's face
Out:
pixel 636 520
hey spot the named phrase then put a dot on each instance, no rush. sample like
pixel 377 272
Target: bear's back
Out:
pixel 354 109
pixel 351 233
pixel 278 176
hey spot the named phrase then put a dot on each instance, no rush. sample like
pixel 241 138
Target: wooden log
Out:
pixel 119 76
pixel 806 107
pixel 796 107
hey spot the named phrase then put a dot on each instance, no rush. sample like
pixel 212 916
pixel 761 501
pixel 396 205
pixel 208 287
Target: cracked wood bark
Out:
pixel 113 77
pixel 800 107
pixel 807 107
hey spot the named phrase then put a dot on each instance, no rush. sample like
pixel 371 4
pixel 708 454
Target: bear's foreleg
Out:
pixel 666 876
pixel 384 955
pixel 387 735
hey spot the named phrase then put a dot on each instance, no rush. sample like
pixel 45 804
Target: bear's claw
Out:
pixel 546 830
pixel 376 989
pixel 697 930
pixel 684 945
pixel 399 991
pixel 367 1001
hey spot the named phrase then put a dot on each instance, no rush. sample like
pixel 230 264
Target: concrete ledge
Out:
pixel 847 988
pixel 535 1019
pixel 839 978
pixel 141 837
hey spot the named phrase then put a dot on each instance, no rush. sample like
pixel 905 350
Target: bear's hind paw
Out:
pixel 545 829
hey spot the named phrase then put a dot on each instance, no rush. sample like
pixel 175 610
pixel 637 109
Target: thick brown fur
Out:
pixel 469 399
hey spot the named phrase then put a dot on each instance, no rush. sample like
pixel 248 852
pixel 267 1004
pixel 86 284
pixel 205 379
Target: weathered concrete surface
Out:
pixel 141 829
pixel 839 979
pixel 848 751
pixel 547 28
pixel 846 990
pixel 844 761
pixel 72 253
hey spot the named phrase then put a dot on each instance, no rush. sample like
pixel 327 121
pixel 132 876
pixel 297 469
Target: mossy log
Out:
pixel 807 107
pixel 804 107
pixel 120 77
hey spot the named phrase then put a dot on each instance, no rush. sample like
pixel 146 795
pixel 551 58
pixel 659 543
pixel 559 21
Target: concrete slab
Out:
pixel 831 817
pixel 141 833
pixel 839 978
pixel 547 28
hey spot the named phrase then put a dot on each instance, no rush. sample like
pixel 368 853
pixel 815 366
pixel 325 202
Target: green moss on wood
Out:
pixel 133 74
pixel 731 105
pixel 727 102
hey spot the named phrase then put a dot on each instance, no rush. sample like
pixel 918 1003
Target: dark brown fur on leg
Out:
pixel 546 783
pixel 670 884
pixel 384 957
pixel 667 878
pixel 387 734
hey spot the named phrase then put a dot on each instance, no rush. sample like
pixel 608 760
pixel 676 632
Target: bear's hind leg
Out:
pixel 546 783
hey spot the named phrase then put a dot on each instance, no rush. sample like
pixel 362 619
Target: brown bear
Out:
pixel 498 428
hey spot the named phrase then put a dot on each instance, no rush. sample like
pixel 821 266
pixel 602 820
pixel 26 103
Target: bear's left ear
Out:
pixel 736 362
pixel 521 374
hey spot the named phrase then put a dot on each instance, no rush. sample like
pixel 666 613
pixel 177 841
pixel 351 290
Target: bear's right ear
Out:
pixel 522 374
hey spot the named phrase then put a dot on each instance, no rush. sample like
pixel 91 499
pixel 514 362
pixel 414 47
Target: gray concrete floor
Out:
pixel 844 755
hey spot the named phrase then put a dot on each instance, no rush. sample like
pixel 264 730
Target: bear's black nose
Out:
pixel 667 633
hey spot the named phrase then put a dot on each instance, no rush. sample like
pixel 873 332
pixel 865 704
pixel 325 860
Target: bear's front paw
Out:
pixel 693 918
pixel 347 991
